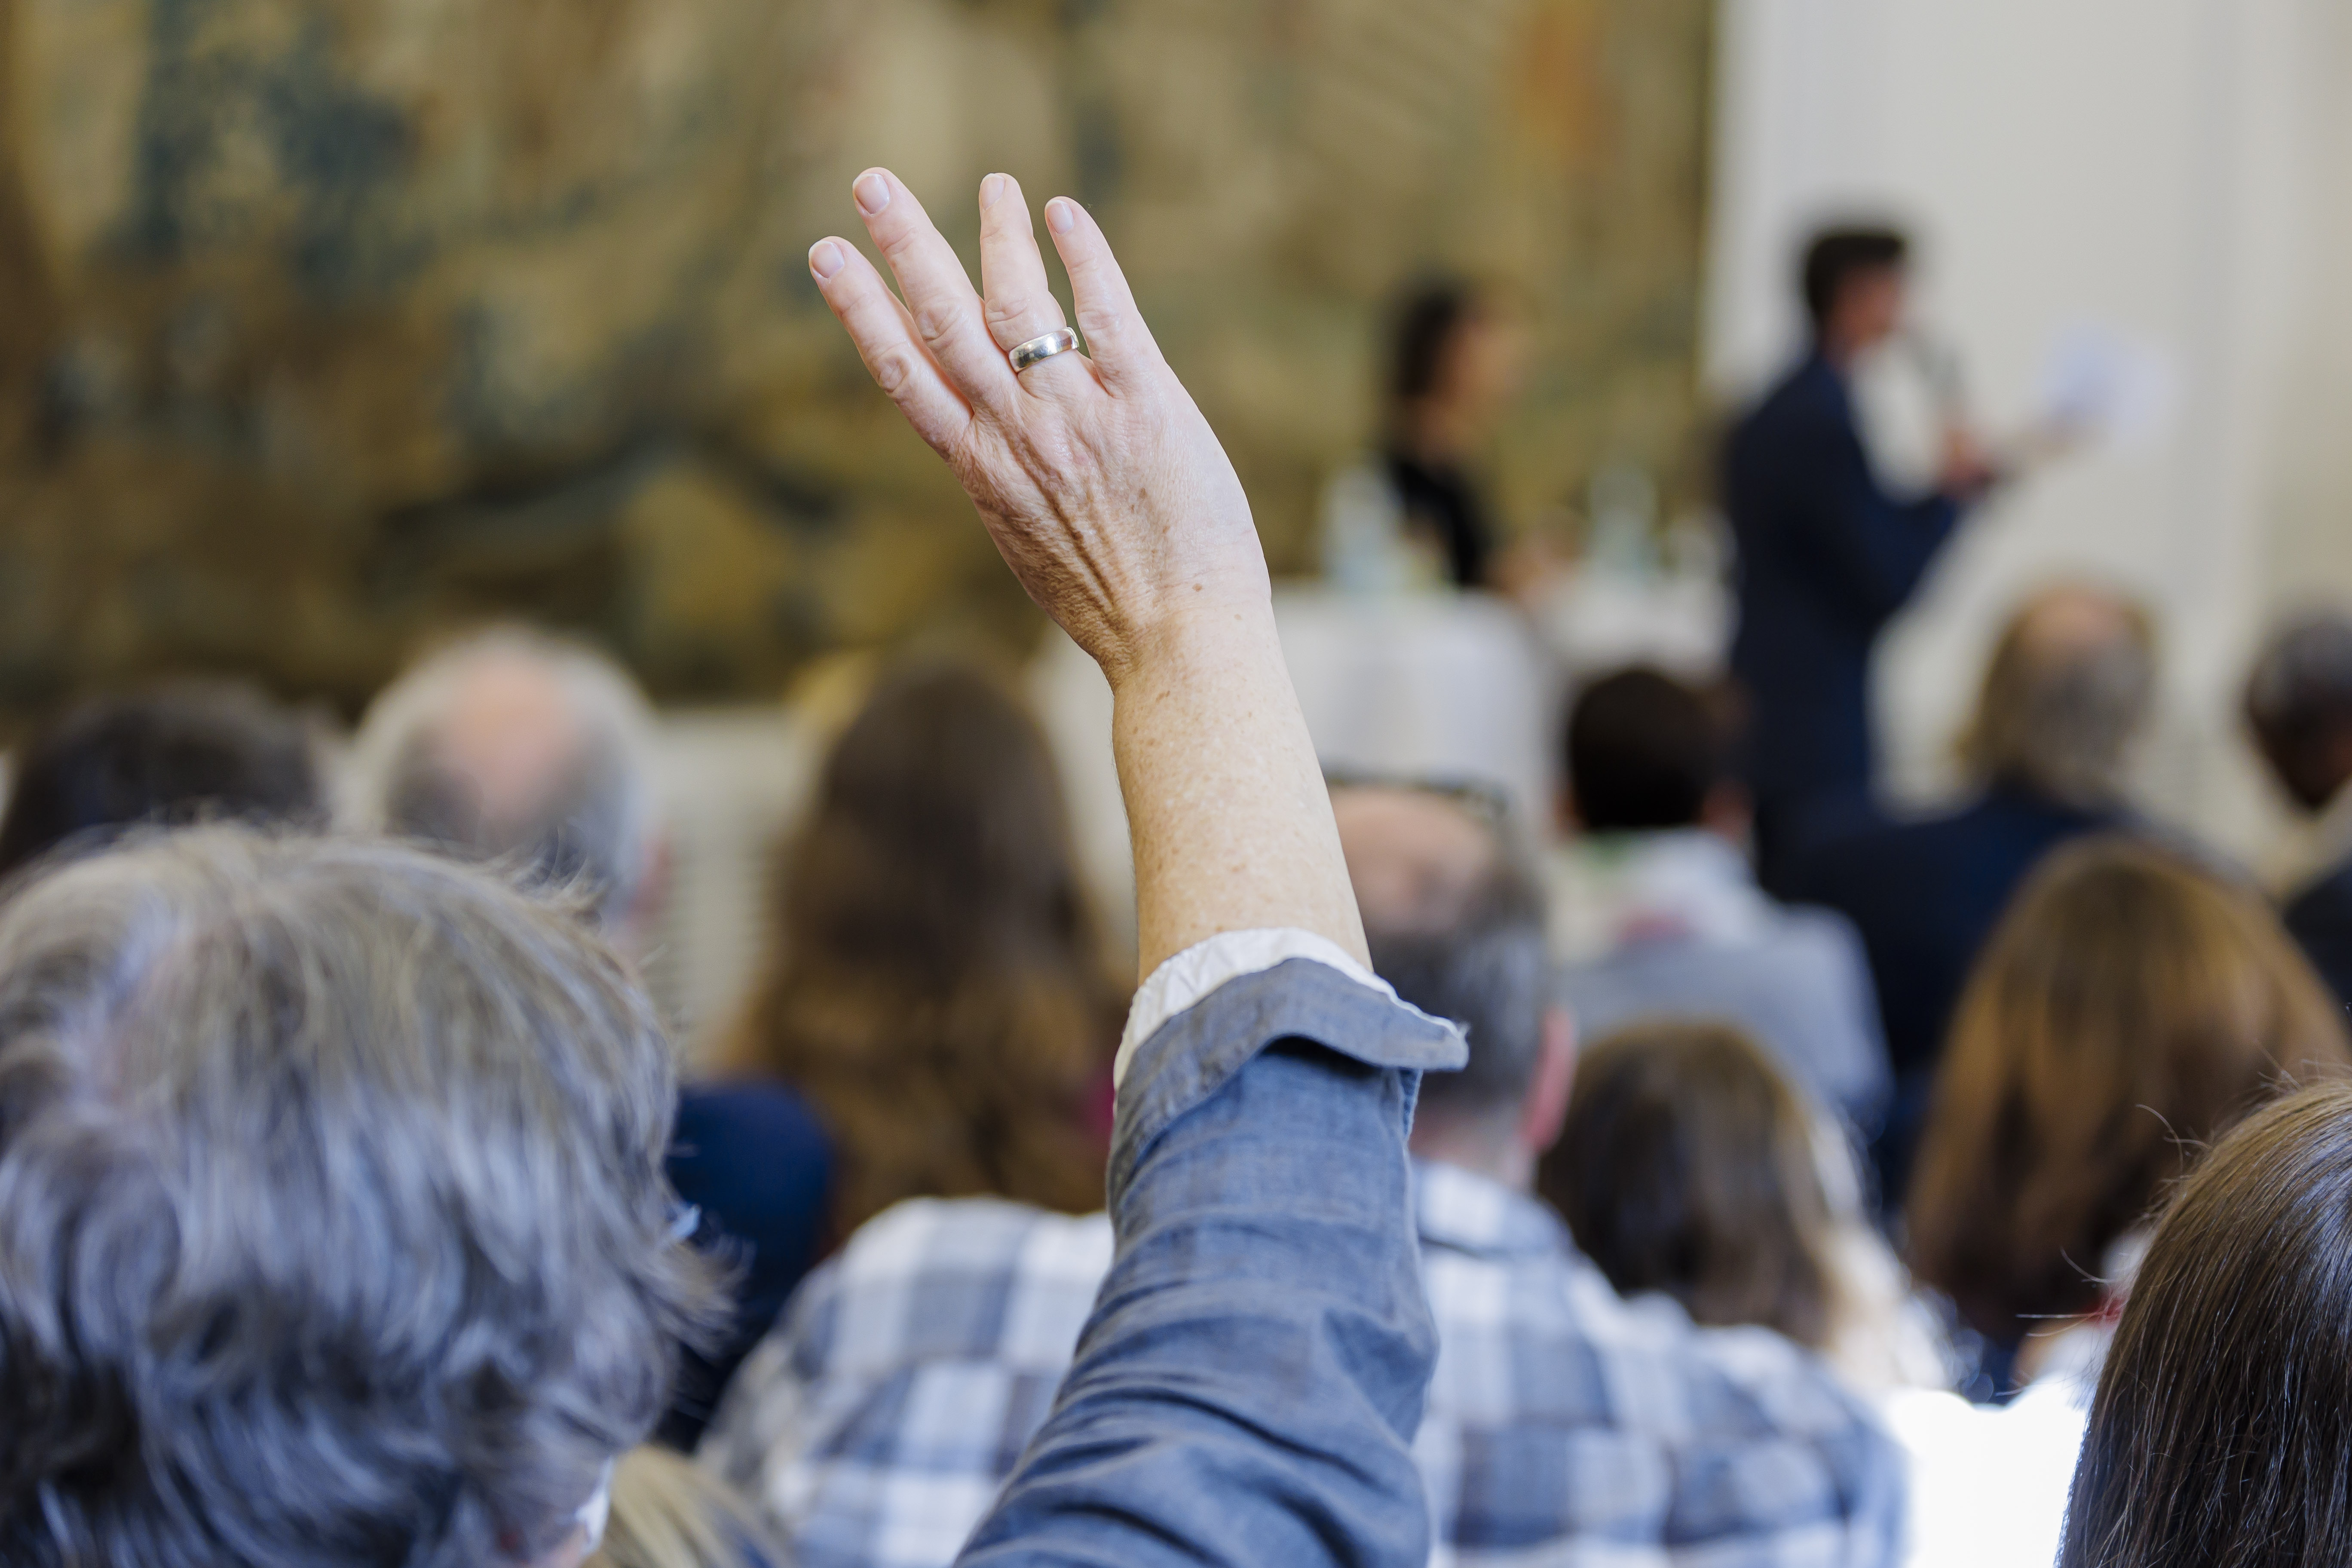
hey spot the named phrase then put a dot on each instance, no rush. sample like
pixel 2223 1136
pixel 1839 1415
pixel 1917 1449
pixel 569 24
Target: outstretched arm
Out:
pixel 1252 1371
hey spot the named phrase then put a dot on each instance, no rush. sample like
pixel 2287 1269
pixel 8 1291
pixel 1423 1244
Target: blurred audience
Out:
pixel 2129 1009
pixel 1747 1447
pixel 2299 701
pixel 2063 706
pixel 2224 1415
pixel 187 751
pixel 1827 557
pixel 521 748
pixel 936 988
pixel 1414 516
pixel 1654 907
pixel 1688 1164
pixel 337 1231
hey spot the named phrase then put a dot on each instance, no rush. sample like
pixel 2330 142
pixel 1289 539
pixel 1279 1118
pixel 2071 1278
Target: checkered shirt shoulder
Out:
pixel 1568 1425
pixel 874 1426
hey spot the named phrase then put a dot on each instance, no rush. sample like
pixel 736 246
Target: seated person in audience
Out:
pixel 935 988
pixel 1564 1421
pixel 182 752
pixel 2062 709
pixel 1690 1165
pixel 923 1357
pixel 515 746
pixel 2299 701
pixel 2222 1432
pixel 2129 1009
pixel 1654 907
pixel 1255 1365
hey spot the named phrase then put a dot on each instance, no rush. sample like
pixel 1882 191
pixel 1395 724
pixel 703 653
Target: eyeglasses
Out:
pixel 1482 799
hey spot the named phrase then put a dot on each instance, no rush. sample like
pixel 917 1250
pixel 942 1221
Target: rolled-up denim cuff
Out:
pixel 1197 1051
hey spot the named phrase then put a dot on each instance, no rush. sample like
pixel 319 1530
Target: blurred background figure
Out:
pixel 184 751
pixel 534 751
pixel 935 988
pixel 2063 707
pixel 2129 1010
pixel 1654 907
pixel 1689 1165
pixel 2299 703
pixel 937 993
pixel 1827 556
pixel 1415 516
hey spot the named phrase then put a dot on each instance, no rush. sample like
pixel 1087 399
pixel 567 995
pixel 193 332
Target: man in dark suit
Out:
pixel 1827 557
pixel 2299 701
pixel 2066 694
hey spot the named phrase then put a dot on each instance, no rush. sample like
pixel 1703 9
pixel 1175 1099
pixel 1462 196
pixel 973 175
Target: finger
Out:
pixel 1019 299
pixel 1116 337
pixel 947 313
pixel 885 335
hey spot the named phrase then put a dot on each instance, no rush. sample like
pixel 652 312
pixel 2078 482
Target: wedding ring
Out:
pixel 1023 355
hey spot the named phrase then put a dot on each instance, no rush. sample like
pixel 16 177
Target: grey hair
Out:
pixel 596 827
pixel 332 1221
pixel 2299 701
pixel 2060 716
pixel 1486 969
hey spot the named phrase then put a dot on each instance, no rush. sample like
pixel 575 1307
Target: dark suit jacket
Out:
pixel 2320 917
pixel 1826 559
pixel 1925 894
pixel 754 1159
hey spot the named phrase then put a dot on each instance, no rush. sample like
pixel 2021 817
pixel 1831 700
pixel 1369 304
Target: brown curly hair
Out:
pixel 937 988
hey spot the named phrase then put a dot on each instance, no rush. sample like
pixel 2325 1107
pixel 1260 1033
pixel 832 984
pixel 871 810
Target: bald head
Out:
pixel 2066 694
pixel 513 745
pixel 1457 926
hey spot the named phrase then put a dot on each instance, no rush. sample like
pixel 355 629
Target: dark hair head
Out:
pixel 1686 1165
pixel 1471 953
pixel 1838 256
pixel 2128 1009
pixel 333 1223
pixel 1425 323
pixel 2222 1432
pixel 2299 703
pixel 170 755
pixel 1644 751
pixel 937 990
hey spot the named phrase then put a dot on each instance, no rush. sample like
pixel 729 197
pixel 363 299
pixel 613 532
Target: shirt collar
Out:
pixel 1465 1211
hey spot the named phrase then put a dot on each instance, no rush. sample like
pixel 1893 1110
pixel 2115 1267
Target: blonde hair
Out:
pixel 669 1514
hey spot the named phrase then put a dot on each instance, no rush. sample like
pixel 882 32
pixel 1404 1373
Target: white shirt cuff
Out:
pixel 1180 982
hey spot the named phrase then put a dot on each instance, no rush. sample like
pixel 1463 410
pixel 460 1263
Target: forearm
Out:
pixel 1225 800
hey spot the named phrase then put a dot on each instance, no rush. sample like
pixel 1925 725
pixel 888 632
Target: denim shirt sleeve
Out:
pixel 1249 1383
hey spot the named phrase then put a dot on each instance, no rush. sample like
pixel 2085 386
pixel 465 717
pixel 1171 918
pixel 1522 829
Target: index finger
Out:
pixel 939 298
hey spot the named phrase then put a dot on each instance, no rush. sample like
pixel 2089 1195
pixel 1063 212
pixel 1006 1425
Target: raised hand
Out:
pixel 1099 480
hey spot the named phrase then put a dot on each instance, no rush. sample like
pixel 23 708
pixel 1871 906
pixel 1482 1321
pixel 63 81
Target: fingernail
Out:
pixel 872 193
pixel 825 259
pixel 1061 215
pixel 990 189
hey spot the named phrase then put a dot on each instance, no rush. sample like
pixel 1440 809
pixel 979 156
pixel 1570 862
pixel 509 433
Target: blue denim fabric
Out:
pixel 1248 1384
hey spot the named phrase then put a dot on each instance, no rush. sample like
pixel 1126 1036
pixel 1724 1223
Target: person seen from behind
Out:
pixel 1656 908
pixel 2299 705
pixel 2129 1010
pixel 2064 704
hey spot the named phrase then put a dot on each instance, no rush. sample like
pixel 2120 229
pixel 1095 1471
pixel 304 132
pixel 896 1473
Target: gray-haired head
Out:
pixel 2299 703
pixel 333 1222
pixel 2066 696
pixel 1456 925
pixel 520 747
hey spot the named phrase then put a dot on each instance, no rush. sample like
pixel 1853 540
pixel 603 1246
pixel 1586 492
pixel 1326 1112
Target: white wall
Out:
pixel 2159 168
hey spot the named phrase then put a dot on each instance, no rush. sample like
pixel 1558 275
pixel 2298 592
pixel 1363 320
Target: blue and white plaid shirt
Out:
pixel 1566 1425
